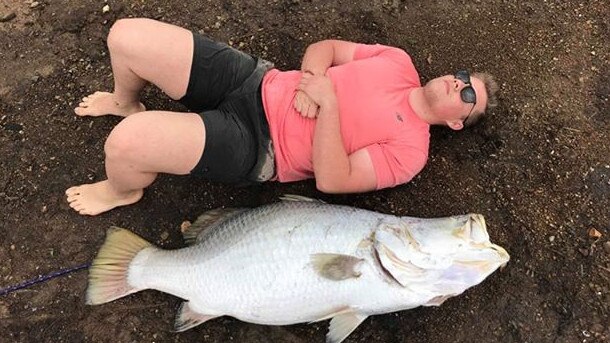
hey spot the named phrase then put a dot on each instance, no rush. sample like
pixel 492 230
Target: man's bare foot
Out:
pixel 93 199
pixel 103 103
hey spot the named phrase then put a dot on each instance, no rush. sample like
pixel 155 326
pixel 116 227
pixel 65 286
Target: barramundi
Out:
pixel 301 260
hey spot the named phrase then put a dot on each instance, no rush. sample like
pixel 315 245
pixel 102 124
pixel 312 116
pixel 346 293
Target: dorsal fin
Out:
pixel 294 197
pixel 207 220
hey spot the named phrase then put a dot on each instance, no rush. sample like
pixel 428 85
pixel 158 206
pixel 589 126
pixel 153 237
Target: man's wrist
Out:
pixel 313 72
pixel 329 103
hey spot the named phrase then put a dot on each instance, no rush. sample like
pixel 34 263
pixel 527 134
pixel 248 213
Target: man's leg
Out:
pixel 138 148
pixel 141 51
pixel 145 143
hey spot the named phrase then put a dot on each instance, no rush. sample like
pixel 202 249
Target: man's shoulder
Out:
pixel 400 61
pixel 393 65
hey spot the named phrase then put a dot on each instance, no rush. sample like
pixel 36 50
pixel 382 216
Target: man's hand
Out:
pixel 305 106
pixel 318 88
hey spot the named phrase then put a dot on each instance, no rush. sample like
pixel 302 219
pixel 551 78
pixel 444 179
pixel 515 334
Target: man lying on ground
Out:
pixel 355 116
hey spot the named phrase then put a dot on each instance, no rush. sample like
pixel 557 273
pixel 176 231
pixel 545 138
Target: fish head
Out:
pixel 448 235
pixel 438 256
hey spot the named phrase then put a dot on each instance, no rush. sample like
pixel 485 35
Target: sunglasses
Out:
pixel 467 93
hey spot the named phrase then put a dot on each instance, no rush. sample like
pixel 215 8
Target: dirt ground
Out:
pixel 538 167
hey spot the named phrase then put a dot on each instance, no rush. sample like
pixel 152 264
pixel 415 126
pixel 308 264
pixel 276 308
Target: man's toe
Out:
pixel 74 190
pixel 88 212
pixel 81 111
pixel 97 95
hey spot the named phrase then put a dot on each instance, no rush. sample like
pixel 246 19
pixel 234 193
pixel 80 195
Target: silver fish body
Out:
pixel 304 261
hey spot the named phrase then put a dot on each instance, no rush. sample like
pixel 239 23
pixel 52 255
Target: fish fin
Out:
pixel 196 232
pixel 109 269
pixel 187 318
pixel 336 267
pixel 342 325
pixel 342 310
pixel 438 300
pixel 294 197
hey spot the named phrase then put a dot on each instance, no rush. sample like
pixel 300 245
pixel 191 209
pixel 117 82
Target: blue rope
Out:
pixel 42 278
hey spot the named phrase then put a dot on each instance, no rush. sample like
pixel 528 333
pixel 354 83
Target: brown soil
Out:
pixel 538 167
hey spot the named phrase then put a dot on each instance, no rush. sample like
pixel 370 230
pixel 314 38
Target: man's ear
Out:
pixel 455 124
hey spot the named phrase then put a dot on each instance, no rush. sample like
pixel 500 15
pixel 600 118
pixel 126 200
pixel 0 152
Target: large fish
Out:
pixel 301 260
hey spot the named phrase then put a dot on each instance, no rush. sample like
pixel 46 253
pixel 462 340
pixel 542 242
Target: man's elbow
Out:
pixel 325 42
pixel 329 187
pixel 319 44
pixel 340 187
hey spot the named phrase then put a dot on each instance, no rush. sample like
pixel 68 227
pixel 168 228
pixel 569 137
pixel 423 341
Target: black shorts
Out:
pixel 225 89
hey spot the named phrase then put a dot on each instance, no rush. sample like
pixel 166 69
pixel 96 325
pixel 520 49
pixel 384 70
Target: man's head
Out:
pixel 459 100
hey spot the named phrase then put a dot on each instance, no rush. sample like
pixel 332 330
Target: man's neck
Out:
pixel 420 105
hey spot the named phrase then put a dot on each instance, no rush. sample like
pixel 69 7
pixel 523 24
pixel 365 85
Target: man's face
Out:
pixel 445 97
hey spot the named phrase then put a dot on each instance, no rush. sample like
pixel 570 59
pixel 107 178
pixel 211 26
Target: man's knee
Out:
pixel 125 33
pixel 125 140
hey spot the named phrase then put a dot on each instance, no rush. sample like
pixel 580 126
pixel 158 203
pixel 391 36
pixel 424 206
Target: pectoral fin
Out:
pixel 336 267
pixel 187 318
pixel 342 325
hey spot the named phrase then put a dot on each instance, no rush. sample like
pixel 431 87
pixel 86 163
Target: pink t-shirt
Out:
pixel 374 110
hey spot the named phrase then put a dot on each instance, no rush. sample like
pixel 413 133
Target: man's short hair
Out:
pixel 491 87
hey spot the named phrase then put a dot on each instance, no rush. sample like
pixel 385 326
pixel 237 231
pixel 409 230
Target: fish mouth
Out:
pixel 478 234
pixel 478 228
pixel 502 253
pixel 473 229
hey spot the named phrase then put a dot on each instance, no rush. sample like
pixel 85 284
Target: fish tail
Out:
pixel 109 270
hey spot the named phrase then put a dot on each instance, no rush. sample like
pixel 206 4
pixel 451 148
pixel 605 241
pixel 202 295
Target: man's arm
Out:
pixel 335 171
pixel 317 59
pixel 327 53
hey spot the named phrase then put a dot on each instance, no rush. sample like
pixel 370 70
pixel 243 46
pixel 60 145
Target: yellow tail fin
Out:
pixel 108 272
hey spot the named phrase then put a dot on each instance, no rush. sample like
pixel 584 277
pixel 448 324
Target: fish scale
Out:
pixel 258 265
pixel 277 256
